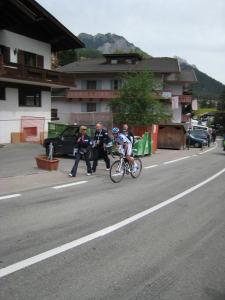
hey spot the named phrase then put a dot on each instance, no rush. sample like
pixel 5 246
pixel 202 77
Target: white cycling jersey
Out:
pixel 121 140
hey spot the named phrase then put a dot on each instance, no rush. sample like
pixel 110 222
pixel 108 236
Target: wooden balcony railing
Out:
pixel 91 94
pixel 91 118
pixel 27 73
pixel 185 119
pixel 185 99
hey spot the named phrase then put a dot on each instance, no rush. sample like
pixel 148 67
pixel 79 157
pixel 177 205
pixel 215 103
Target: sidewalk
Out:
pixel 19 172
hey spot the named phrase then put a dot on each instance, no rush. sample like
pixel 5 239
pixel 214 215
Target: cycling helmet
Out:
pixel 115 130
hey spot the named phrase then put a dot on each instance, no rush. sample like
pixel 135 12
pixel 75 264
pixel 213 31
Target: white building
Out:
pixel 29 36
pixel 97 80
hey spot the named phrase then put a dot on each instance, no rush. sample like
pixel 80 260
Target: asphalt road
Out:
pixel 173 251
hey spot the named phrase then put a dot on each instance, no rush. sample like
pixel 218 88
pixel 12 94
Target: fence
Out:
pixel 91 118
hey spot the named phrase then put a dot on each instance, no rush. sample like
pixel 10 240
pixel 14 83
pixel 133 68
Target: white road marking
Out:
pixel 71 245
pixel 209 150
pixel 152 166
pixel 194 155
pixel 10 196
pixel 175 160
pixel 68 185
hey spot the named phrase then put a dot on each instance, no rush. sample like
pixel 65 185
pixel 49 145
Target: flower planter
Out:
pixel 44 163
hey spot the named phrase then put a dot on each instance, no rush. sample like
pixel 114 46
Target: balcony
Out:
pixel 187 99
pixel 185 119
pixel 91 118
pixel 91 94
pixel 17 73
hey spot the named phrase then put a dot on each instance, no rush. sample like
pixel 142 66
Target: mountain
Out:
pixel 207 87
pixel 108 43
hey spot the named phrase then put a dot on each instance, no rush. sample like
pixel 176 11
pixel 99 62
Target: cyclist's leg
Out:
pixel 129 157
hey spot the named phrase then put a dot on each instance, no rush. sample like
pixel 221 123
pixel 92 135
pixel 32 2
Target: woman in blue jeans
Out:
pixel 83 147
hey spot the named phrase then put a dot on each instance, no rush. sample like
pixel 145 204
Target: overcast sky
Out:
pixel 191 29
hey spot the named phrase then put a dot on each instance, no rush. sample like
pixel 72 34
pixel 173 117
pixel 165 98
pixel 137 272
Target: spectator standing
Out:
pixel 213 135
pixel 128 133
pixel 83 148
pixel 100 141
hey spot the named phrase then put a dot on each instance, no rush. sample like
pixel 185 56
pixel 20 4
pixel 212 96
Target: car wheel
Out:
pixel 196 145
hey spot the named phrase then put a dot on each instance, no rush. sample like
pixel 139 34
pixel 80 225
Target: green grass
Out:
pixel 202 111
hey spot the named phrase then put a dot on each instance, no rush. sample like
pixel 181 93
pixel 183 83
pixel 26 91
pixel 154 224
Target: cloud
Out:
pixel 190 29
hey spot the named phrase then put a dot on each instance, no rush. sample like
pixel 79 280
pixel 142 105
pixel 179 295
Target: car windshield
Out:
pixel 71 131
pixel 199 133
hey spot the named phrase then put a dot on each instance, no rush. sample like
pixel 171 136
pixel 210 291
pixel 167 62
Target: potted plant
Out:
pixel 47 162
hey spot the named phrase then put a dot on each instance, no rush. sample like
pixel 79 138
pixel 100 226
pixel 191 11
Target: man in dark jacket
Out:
pixel 100 141
pixel 83 148
pixel 128 133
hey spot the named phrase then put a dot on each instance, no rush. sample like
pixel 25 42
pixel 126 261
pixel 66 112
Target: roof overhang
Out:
pixel 27 82
pixel 28 18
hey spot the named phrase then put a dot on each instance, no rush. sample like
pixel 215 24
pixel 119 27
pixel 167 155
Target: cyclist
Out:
pixel 125 147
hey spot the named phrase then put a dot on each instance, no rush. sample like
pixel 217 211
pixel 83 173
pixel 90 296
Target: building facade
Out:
pixel 29 36
pixel 98 80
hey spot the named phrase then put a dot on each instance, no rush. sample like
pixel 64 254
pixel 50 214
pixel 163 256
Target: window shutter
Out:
pixel 99 84
pixel 112 84
pixel 83 84
pixel 20 57
pixel 83 107
pixel 6 53
pixel 40 61
pixel 98 107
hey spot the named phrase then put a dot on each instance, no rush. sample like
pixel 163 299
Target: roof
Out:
pixel 155 64
pixel 126 55
pixel 183 76
pixel 28 18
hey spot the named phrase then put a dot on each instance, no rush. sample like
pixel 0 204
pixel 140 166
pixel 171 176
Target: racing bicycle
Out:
pixel 121 167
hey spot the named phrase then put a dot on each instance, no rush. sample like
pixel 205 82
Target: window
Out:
pixel 91 84
pixel 91 107
pixel 28 97
pixel 129 61
pixel 1 50
pixel 116 84
pixel 114 61
pixel 70 131
pixel 2 93
pixel 54 114
pixel 30 59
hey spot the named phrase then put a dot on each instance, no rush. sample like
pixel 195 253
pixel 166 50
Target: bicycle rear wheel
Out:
pixel 117 171
pixel 136 173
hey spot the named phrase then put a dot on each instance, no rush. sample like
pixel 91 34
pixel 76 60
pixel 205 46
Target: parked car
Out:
pixel 64 143
pixel 197 138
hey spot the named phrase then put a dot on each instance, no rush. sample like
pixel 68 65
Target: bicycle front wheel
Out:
pixel 117 171
pixel 137 171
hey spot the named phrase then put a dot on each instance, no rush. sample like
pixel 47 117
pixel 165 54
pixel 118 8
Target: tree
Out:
pixel 136 104
pixel 68 56
pixel 222 100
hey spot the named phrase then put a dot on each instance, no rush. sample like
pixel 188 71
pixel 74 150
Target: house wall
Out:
pixel 17 41
pixel 176 118
pixel 175 89
pixel 103 84
pixel 65 109
pixel 11 114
